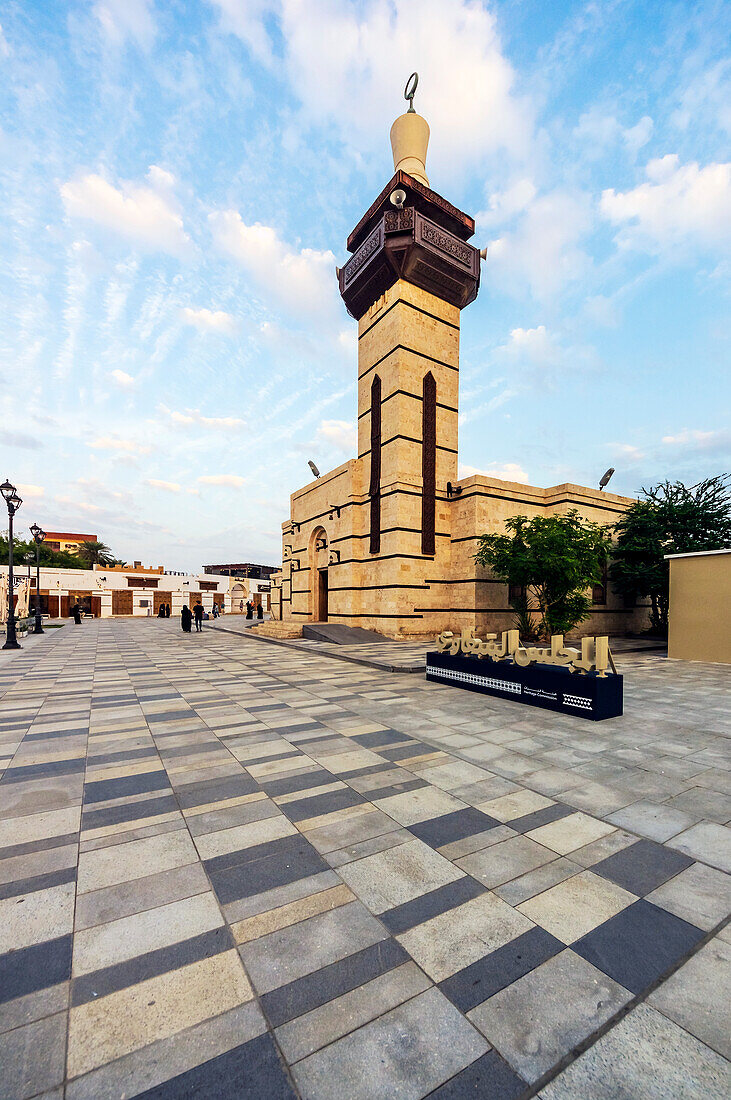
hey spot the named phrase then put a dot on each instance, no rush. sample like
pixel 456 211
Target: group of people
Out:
pixel 250 610
pixel 187 617
pixel 164 611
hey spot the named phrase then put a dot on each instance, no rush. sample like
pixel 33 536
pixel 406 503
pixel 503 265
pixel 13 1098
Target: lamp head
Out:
pixel 7 490
pixel 606 477
pixel 313 467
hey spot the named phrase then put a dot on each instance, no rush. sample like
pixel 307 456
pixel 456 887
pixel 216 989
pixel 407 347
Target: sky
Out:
pixel 178 181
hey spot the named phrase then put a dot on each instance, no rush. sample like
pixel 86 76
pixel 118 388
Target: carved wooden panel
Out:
pixel 375 483
pixel 429 465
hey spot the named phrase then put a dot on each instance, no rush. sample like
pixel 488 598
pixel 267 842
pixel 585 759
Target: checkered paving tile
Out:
pixel 234 870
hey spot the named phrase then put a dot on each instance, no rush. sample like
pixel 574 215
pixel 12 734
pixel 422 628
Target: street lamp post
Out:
pixel 38 536
pixel 13 501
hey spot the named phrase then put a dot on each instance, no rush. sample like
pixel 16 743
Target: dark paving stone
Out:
pixel 638 945
pixel 45 845
pixel 56 734
pixel 482 979
pixel 169 716
pixel 268 757
pixel 405 751
pixel 252 1071
pixel 104 790
pixel 33 968
pixel 456 826
pixel 287 785
pixel 131 811
pixel 247 879
pixel 381 737
pixel 44 771
pixel 321 804
pixel 215 790
pixel 488 1078
pixel 214 745
pixel 131 971
pixel 411 913
pixel 269 706
pixel 126 754
pixel 396 788
pixel 332 981
pixel 540 817
pixel 643 866
pixel 284 847
pixel 37 882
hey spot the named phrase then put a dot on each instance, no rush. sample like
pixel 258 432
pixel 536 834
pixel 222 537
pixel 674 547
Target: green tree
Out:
pixel 556 557
pixel 96 553
pixel 670 519
pixel 25 551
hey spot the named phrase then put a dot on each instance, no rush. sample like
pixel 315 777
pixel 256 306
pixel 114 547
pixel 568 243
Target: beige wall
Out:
pixel 700 608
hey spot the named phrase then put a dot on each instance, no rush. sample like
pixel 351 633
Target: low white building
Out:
pixel 122 590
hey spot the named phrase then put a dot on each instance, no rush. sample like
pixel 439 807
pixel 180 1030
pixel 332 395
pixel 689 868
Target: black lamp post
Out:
pixel 38 537
pixel 13 501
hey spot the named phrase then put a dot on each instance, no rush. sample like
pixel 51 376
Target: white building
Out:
pixel 123 590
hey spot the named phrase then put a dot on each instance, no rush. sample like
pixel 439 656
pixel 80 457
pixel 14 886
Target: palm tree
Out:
pixel 95 553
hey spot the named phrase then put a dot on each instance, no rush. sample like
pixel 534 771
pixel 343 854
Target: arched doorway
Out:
pixel 319 558
pixel 238 599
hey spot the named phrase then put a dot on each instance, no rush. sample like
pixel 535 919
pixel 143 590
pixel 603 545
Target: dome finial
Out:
pixel 410 137
pixel 410 91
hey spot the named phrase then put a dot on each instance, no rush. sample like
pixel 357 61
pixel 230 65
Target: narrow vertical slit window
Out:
pixel 429 465
pixel 375 484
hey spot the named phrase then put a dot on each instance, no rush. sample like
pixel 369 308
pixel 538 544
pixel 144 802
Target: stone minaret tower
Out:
pixel 410 274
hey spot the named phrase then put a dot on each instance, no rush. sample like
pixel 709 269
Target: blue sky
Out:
pixel 179 178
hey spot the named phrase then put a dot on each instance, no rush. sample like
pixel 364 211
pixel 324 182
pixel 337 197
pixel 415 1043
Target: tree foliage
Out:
pixel 669 519
pixel 556 557
pixel 24 552
pixel 96 553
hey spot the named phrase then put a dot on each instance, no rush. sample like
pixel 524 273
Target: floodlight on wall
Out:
pixel 334 510
pixel 295 526
pixel 295 565
pixel 334 557
pixel 321 544
pixel 606 478
pixel 453 490
pixel 313 467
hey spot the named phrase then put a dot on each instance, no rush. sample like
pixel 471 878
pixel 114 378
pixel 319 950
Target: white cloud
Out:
pixel 679 205
pixel 503 205
pixel 166 486
pixel 195 416
pixel 116 443
pixel 230 480
pixel 690 439
pixel 4 47
pixel 246 19
pixel 629 453
pixel 347 63
pixel 542 252
pixel 207 320
pixel 340 434
pixel 144 214
pixel 30 492
pixel 123 380
pixel 507 471
pixel 302 280
pixel 21 439
pixel 123 19
pixel 536 347
pixel 597 132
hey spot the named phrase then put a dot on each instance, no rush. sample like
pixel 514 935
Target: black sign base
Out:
pixel 585 696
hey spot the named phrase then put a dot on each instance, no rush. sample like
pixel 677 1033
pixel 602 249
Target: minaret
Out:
pixel 410 274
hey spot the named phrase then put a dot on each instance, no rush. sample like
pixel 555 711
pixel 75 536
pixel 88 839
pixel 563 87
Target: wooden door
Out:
pixel 65 607
pixel 121 602
pixel 160 598
pixel 322 596
pixel 96 606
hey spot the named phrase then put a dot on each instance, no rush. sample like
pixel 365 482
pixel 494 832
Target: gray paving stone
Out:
pixel 644 1057
pixel 541 1017
pixel 404 1054
pixel 699 894
pixel 508 860
pixel 708 842
pixel 32 1057
pixel 698 996
pixel 653 820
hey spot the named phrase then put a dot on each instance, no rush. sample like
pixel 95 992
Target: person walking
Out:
pixel 241 606
pixel 167 610
pixel 186 618
pixel 215 611
pixel 260 611
pixel 249 609
pixel 161 611
pixel 76 612
pixel 198 613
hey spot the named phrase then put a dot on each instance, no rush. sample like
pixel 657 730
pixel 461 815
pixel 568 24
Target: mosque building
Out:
pixel 386 541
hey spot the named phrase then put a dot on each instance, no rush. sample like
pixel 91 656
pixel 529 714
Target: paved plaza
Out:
pixel 230 869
